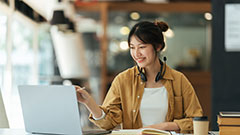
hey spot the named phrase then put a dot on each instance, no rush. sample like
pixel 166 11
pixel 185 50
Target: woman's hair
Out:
pixel 149 33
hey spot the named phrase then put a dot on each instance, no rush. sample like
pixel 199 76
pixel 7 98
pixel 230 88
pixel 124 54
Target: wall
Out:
pixel 225 67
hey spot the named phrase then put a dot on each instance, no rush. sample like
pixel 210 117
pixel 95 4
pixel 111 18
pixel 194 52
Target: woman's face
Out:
pixel 143 54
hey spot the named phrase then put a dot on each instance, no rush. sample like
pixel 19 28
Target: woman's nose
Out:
pixel 137 52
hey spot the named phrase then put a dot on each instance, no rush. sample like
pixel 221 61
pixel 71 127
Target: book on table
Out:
pixel 228 120
pixel 229 114
pixel 143 131
pixel 229 130
pixel 229 123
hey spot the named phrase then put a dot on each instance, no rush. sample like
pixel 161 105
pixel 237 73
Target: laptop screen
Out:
pixel 51 109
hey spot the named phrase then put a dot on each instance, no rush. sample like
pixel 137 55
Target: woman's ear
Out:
pixel 159 48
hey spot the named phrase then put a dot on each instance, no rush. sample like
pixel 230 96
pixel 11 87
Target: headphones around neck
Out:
pixel 159 75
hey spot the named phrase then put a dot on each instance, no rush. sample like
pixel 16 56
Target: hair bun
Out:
pixel 162 25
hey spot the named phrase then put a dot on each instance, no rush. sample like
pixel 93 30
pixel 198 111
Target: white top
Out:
pixel 154 106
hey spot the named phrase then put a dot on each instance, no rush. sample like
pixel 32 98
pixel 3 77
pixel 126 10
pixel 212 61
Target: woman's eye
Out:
pixel 142 46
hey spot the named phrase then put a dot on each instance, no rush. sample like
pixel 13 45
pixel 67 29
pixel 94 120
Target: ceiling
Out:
pixel 42 10
pixel 46 7
pixel 43 7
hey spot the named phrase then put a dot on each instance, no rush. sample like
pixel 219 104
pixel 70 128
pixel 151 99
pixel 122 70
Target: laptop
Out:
pixel 51 109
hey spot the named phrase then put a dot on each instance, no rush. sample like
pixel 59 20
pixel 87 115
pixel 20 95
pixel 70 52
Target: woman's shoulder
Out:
pixel 174 73
pixel 128 73
pixel 178 76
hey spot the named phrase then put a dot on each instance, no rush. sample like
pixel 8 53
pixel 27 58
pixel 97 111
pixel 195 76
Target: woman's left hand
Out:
pixel 171 126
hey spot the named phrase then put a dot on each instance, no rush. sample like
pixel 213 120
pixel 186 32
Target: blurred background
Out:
pixel 84 42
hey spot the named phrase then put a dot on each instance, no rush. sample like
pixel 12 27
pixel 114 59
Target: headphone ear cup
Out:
pixel 143 77
pixel 158 77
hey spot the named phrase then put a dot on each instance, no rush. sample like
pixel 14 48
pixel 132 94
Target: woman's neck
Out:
pixel 151 73
pixel 153 69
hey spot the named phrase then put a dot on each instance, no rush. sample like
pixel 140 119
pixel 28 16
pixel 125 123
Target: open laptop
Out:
pixel 51 109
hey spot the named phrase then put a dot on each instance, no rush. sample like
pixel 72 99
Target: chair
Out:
pixel 3 116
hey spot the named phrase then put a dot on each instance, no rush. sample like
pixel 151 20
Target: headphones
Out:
pixel 159 75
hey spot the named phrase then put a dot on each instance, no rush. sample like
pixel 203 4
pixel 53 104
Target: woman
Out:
pixel 150 94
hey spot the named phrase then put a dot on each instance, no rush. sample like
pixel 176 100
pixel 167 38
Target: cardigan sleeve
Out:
pixel 190 105
pixel 112 108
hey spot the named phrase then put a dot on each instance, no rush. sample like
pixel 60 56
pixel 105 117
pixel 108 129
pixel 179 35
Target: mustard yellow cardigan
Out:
pixel 122 102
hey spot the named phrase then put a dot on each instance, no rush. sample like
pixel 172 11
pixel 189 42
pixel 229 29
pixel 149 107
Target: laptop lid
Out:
pixel 51 109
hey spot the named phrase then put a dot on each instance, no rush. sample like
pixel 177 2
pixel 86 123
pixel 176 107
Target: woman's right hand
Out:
pixel 82 95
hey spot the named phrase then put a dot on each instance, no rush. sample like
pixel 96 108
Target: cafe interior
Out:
pixel 84 42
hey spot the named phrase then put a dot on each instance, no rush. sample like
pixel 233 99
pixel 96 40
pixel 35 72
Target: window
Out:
pixel 23 58
pixel 28 59
pixel 45 56
pixel 3 56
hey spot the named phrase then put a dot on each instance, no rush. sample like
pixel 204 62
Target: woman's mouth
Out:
pixel 140 60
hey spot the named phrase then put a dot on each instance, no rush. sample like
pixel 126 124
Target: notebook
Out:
pixel 51 109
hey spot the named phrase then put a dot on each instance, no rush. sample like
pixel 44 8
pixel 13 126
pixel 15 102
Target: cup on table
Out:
pixel 200 125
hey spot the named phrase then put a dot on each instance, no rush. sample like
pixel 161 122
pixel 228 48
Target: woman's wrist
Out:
pixel 171 126
pixel 102 116
pixel 93 107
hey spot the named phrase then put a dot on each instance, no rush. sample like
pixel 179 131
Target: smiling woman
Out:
pixel 150 94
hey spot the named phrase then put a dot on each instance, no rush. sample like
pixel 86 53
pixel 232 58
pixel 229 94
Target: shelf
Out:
pixel 196 7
